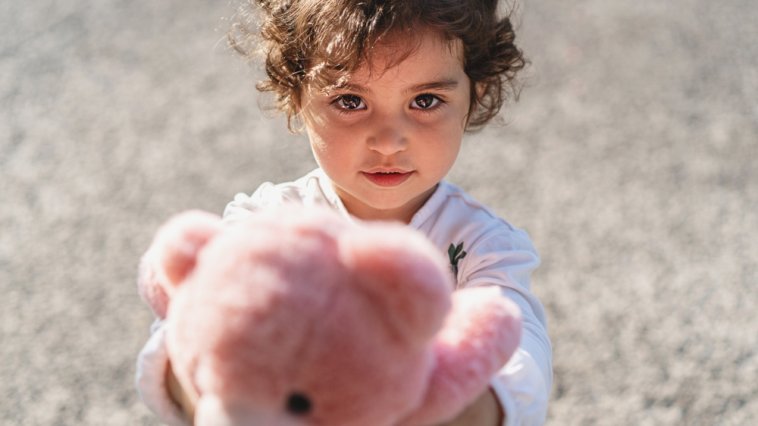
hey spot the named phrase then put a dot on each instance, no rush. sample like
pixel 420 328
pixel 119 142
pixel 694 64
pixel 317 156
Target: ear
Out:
pixel 171 256
pixel 480 89
pixel 403 273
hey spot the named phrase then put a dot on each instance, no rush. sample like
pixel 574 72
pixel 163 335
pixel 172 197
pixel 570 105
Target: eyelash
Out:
pixel 336 102
pixel 436 102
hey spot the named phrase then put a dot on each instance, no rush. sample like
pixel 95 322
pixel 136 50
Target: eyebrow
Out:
pixel 447 84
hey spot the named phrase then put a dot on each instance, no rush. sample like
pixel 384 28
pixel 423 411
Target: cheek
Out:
pixel 452 119
pixel 317 141
pixel 319 132
pixel 446 139
pixel 448 127
pixel 323 129
pixel 330 148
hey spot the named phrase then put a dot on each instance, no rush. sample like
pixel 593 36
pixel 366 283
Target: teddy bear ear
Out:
pixel 403 273
pixel 177 244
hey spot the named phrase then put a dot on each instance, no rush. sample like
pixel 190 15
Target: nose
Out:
pixel 389 137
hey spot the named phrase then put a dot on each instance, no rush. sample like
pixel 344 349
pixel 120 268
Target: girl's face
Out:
pixel 391 134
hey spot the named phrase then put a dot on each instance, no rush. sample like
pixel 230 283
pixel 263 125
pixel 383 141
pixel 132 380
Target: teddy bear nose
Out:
pixel 298 404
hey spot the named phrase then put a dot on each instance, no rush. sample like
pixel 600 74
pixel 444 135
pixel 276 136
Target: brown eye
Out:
pixel 425 101
pixel 350 102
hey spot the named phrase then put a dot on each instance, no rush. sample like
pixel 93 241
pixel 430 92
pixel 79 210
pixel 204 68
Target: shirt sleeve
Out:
pixel 152 364
pixel 523 385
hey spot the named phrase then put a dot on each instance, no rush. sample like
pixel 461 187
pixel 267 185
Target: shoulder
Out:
pixel 453 213
pixel 482 246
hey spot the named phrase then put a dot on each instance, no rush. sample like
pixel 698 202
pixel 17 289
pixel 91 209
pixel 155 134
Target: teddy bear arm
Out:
pixel 480 334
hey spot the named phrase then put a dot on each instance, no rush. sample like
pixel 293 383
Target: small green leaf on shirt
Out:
pixel 455 253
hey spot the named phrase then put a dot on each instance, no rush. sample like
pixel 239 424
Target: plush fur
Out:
pixel 296 316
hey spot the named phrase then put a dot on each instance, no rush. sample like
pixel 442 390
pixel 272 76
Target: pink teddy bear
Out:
pixel 296 316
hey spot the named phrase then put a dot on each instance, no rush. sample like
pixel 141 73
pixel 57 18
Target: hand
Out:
pixel 185 400
pixel 484 411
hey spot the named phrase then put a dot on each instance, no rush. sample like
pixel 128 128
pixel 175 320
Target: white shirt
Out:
pixel 496 254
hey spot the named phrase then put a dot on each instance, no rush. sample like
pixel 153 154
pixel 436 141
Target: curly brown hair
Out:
pixel 319 43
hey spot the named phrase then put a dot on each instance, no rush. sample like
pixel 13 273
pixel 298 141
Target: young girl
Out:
pixel 385 91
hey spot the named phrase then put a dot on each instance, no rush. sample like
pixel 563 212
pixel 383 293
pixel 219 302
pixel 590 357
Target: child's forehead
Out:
pixel 421 54
pixel 426 44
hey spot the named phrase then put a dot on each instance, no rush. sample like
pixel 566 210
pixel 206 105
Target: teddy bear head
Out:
pixel 300 317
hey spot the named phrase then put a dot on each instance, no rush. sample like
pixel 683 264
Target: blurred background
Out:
pixel 630 158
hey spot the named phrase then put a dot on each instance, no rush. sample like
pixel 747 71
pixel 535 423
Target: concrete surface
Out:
pixel 631 159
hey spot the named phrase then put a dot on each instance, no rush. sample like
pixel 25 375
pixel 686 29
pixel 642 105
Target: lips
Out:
pixel 387 177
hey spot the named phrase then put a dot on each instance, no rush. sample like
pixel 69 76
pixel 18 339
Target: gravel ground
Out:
pixel 630 158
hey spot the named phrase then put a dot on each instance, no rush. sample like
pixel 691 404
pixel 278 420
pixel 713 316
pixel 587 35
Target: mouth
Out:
pixel 387 177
